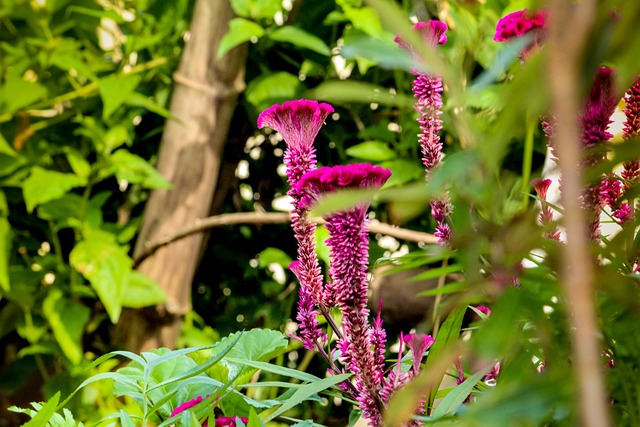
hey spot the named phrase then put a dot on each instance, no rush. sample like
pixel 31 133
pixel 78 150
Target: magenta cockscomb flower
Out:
pixel 418 344
pixel 349 252
pixel 299 122
pixel 220 421
pixel 519 23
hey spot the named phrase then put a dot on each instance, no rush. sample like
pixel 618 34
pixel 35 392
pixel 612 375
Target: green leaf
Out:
pixel 106 266
pixel 279 370
pixel 447 335
pixel 437 272
pixel 45 185
pixel 365 19
pixel 373 151
pixel 63 212
pixel 78 162
pixel 352 91
pixel 45 413
pixel 306 392
pixel 299 37
pixel 240 31
pixel 5 243
pixel 141 291
pixel 402 171
pixel 274 88
pixel 115 90
pixel 18 93
pixel 256 9
pixel 67 319
pixel 452 401
pixel 254 419
pixel 136 170
pixel 273 255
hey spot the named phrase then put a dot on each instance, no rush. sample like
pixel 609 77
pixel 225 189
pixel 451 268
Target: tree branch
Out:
pixel 264 218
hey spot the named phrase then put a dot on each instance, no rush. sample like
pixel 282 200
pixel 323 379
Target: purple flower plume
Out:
pixel 418 344
pixel 595 119
pixel 631 129
pixel 546 214
pixel 349 252
pixel 427 90
pixel 299 122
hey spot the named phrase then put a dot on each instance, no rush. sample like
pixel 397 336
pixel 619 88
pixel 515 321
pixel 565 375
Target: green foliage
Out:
pixel 82 85
pixel 160 380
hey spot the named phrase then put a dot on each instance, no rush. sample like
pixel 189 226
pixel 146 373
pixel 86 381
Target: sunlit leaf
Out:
pixel 67 319
pixel 301 38
pixel 373 151
pixel 240 31
pixel 141 291
pixel 114 91
pixel 45 185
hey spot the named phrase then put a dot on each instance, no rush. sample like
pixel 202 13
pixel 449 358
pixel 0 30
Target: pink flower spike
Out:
pixel 484 310
pixel 519 23
pixel 298 121
pixel 229 421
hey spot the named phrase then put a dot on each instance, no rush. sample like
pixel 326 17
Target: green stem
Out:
pixel 527 159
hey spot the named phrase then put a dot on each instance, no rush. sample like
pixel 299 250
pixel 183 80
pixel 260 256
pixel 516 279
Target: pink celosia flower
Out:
pixel 484 310
pixel 624 213
pixel 349 252
pixel 519 23
pixel 546 214
pixel 220 421
pixel 299 122
pixel 418 344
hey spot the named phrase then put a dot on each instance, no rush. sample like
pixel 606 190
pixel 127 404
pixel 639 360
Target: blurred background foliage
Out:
pixel 84 90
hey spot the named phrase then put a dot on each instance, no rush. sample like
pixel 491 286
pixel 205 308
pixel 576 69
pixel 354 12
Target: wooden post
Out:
pixel 204 99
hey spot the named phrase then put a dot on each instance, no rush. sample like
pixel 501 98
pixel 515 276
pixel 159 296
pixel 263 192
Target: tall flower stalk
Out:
pixel 349 251
pixel 299 122
pixel 427 90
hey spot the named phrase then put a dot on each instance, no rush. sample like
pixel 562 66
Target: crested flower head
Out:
pixel 433 33
pixel 328 179
pixel 298 121
pixel 519 23
pixel 220 421
pixel 418 344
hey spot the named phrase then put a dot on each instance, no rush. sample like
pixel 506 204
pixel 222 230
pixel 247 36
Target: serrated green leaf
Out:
pixel 301 38
pixel 253 345
pixel 141 291
pixel 45 185
pixel 44 413
pixel 67 320
pixel 373 151
pixel 274 88
pixel 136 170
pixel 240 31
pixel 115 90
pixel 106 265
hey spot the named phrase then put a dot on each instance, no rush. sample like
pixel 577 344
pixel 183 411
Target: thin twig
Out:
pixel 566 43
pixel 264 218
